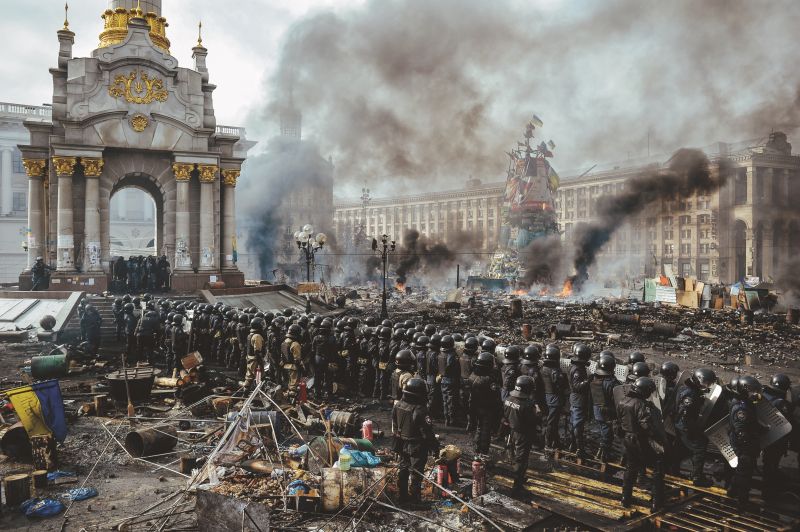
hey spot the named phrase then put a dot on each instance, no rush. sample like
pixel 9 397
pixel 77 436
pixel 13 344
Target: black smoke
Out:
pixel 688 172
pixel 433 258
pixel 544 261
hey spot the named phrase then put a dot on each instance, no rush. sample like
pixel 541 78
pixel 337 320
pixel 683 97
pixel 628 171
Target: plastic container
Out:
pixel 366 430
pixel 345 458
pixel 49 366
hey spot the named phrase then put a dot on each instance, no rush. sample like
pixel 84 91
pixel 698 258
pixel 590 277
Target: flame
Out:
pixel 543 291
pixel 566 291
pixel 520 292
pixel 400 287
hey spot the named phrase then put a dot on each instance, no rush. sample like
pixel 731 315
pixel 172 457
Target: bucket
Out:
pixel 147 442
pixel 49 366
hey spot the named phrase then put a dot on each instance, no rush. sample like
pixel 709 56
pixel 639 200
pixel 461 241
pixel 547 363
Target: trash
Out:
pixel 364 459
pixel 80 494
pixel 298 487
pixel 61 477
pixel 42 507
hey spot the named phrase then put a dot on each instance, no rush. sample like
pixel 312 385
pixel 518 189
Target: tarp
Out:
pixel 40 409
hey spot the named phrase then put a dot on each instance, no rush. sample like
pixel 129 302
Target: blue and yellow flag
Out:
pixel 235 251
pixel 555 181
pixel 40 408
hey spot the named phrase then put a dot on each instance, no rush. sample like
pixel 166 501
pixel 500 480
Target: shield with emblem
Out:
pixel 621 372
pixel 565 362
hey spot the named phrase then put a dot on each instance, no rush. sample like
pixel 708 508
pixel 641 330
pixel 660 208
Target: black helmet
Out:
pixel 404 359
pixel 128 308
pixel 606 364
pixel 118 302
pixel 257 324
pixel 489 345
pixel 372 321
pixel 429 330
pixel 484 362
pixel 669 370
pixel 136 302
pixel 703 378
pixel 471 345
pixel 410 334
pixel 644 387
pixel 582 352
pixel 244 319
pixel 170 317
pixel 531 354
pixel 178 319
pixel 230 315
pixel 279 321
pixel 447 342
pixel 457 337
pixel 268 317
pixel 419 328
pixel 317 321
pixel 399 334
pixel 126 298
pixel 422 341
pixel 352 322
pixel 287 312
pixel 780 382
pixel 748 387
pixel 386 333
pixel 524 385
pixel 294 332
pixel 368 332
pixel 435 341
pixel 409 324
pixel 147 297
pixel 640 369
pixel 552 352
pixel 635 357
pixel 303 321
pixel 387 323
pixel 512 355
pixel 415 391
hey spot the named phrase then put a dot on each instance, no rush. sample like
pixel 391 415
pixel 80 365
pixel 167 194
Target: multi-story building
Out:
pixel 744 229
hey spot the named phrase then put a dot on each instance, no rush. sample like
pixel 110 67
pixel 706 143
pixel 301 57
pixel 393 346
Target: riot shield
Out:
pixel 661 387
pixel 621 372
pixel 459 347
pixel 565 362
pixel 592 367
pixel 655 398
pixel 769 416
pixel 710 399
pixel 658 427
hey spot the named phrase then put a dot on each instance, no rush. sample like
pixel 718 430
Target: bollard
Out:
pixel 100 405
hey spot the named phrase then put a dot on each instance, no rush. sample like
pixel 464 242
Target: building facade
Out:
pixel 747 228
pixel 130 116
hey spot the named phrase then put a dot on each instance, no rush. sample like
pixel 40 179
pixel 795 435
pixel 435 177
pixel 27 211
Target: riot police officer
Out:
pixel 465 361
pixel 485 401
pixel 292 355
pixel 146 332
pixel 775 392
pixel 519 413
pixel 255 351
pixel 601 388
pixel 420 352
pixel 744 432
pixel 90 323
pixel 509 371
pixel 432 377
pixel 578 378
pixel 119 318
pixel 643 440
pixel 366 373
pixel 413 439
pixel 688 404
pixel 555 384
pixel 450 374
pixel 638 370
pixel 324 350
pixel 179 341
pixel 382 372
pixel 404 364
pixel 633 358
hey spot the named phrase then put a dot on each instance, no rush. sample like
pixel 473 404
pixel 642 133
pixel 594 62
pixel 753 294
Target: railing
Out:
pixel 25 110
pixel 233 131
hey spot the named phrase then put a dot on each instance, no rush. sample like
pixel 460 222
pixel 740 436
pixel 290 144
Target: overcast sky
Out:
pixel 403 93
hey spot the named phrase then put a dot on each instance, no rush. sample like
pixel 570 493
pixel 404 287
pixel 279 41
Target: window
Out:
pixel 704 249
pixel 16 161
pixel 666 220
pixel 686 269
pixel 667 234
pixel 704 270
pixel 686 233
pixel 685 220
pixel 668 249
pixel 19 202
pixel 704 233
pixel 704 219
pixel 686 249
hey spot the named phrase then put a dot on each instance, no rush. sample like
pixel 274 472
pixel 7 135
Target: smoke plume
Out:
pixel 434 258
pixel 412 89
pixel 544 261
pixel 689 172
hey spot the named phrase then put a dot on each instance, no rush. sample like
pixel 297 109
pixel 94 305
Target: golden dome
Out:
pixel 115 28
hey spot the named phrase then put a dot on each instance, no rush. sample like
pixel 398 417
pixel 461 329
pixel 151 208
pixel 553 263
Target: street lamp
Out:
pixel 309 244
pixel 388 245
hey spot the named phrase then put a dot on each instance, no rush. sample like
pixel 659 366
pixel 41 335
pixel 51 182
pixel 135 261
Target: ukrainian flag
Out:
pixel 40 408
pixel 235 252
pixel 555 181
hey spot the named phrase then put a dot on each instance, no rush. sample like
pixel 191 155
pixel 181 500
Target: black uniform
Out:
pixel 180 345
pixel 450 371
pixel 508 373
pixel 555 385
pixel 688 404
pixel 146 335
pixel 485 407
pixel 519 413
pixel 413 440
pixel 601 388
pixel 774 483
pixel 382 374
pixel 368 349
pixel 644 445
pixel 465 364
pixel 432 380
pixel 578 402
pixel 91 323
pixel 131 350
pixel 744 433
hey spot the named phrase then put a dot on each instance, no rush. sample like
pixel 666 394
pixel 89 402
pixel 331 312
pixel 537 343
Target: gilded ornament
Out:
pixel 115 27
pixel 183 172
pixel 34 167
pixel 145 90
pixel 64 166
pixel 92 166
pixel 208 172
pixel 139 122
pixel 230 176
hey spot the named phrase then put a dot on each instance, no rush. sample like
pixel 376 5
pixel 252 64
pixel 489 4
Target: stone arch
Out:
pixel 739 240
pixel 147 184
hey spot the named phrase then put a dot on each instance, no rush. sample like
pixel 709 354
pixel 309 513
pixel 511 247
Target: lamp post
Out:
pixel 388 245
pixel 309 244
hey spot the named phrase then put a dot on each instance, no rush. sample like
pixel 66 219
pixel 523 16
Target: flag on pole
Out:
pixel 40 408
pixel 235 251
pixel 536 121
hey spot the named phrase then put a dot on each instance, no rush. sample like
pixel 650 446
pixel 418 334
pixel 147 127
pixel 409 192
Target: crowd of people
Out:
pixel 138 274
pixel 515 395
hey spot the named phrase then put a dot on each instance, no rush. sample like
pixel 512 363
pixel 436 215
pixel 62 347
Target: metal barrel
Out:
pixel 49 366
pixel 562 330
pixel 147 442
pixel 516 308
pixel 665 329
pixel 344 423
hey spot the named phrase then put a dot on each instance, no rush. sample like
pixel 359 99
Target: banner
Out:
pixel 40 408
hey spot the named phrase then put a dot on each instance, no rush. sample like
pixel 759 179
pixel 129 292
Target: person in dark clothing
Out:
pixel 323 347
pixel 485 404
pixel 381 390
pixel 40 275
pixel 413 439
pixel 744 432
pixel 643 439
pixel 509 371
pixel 555 385
pixel 775 392
pixel 601 389
pixel 519 413
pixel 465 361
pixel 366 369
pixel 432 377
pixel 131 322
pixel 404 365
pixel 450 378
pixel 578 378
pixel 688 404
pixel 179 341
pixel 146 332
pixel 90 324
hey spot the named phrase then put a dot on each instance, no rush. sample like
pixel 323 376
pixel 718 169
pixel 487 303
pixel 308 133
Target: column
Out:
pixel 92 168
pixel 208 175
pixel 749 249
pixel 183 258
pixel 485 203
pixel 65 254
pixel 229 251
pixel 6 192
pixel 766 252
pixel 437 212
pixel 36 170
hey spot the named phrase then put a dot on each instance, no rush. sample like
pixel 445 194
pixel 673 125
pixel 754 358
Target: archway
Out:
pixel 136 217
pixel 739 249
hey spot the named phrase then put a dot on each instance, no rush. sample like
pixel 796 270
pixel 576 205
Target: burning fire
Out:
pixel 566 291
pixel 543 291
pixel 400 287
pixel 520 292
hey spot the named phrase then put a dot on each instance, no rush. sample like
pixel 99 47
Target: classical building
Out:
pixel 130 116
pixel 745 229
